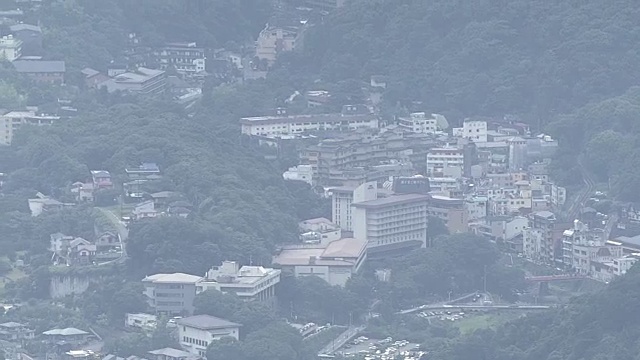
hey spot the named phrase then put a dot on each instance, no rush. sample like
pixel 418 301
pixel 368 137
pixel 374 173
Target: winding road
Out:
pixel 123 234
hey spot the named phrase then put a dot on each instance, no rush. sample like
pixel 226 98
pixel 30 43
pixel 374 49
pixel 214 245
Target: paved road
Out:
pixel 123 234
pixel 344 338
pixel 588 189
pixel 422 307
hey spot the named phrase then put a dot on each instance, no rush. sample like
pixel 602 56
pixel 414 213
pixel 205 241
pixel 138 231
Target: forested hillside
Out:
pixel 602 326
pixel 488 57
pixel 95 32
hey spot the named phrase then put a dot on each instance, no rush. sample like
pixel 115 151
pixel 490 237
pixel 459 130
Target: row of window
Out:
pixel 198 342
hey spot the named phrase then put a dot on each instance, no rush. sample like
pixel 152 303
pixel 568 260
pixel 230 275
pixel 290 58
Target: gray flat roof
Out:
pixel 207 322
pixel 39 66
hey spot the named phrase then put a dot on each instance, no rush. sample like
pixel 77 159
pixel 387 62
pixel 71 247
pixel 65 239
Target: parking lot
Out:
pixel 386 349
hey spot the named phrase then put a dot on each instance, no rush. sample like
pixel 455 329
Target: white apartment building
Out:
pixel 475 130
pixel 10 48
pixel 273 126
pixel 343 197
pixel 419 123
pixel 476 207
pixel 12 121
pixel 195 333
pixel 439 159
pixel 391 222
pixel 247 282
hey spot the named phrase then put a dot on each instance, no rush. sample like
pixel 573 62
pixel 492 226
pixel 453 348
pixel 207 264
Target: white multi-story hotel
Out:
pixel 343 197
pixel 438 159
pixel 283 124
pixel 393 222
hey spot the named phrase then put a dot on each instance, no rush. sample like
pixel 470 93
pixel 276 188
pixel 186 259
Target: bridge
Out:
pixel 548 278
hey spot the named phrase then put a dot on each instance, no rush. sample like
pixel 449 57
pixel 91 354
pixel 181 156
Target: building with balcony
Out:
pixel 274 40
pixel 420 123
pixel 542 239
pixel 352 117
pixel 442 158
pixel 185 58
pixel 391 223
pixel 343 197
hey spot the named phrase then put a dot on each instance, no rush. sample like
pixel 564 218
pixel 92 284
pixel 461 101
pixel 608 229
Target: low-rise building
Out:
pixel 71 336
pixel 101 179
pixel 319 230
pixel 46 71
pixel 302 173
pixel 171 294
pixel 196 333
pixel 172 354
pixel 31 37
pixel 43 204
pixel 352 117
pixel 145 209
pixel 16 332
pixel 247 282
pixel 141 81
pixel 334 262
pixel 83 192
pixel 142 321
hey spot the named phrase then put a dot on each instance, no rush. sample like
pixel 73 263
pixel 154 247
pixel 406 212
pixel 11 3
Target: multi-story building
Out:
pixel 517 153
pixel 351 118
pixel 10 48
pixel 439 159
pixel 391 223
pixel 12 121
pixel 247 282
pixel 43 71
pixel 451 211
pixel 185 58
pixel 171 294
pixel 367 157
pixel 475 130
pixel 334 262
pixel 141 81
pixel 275 40
pixel 419 123
pixel 101 179
pixel 343 197
pixel 196 333
pixel 542 239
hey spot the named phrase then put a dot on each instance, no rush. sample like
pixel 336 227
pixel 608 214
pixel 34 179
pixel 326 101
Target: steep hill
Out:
pixel 488 57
